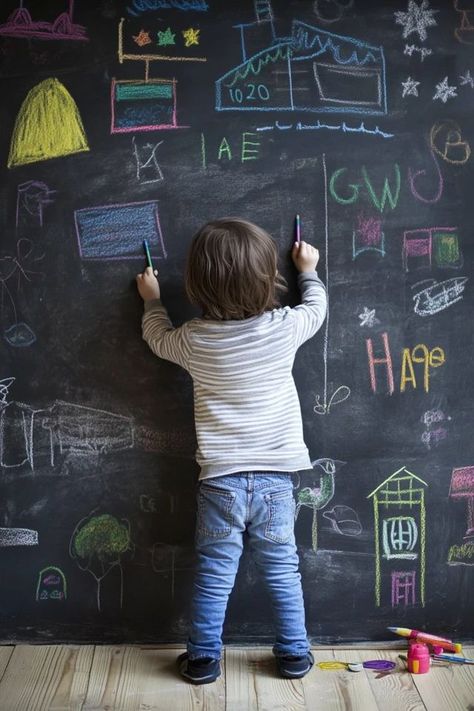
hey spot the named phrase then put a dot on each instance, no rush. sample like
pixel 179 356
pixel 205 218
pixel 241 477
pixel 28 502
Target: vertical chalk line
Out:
pixel 326 247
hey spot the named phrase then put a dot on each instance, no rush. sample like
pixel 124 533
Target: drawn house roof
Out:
pixel 337 60
pixel 308 41
pixel 400 475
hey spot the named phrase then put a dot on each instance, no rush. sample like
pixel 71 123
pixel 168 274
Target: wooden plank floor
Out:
pixel 90 678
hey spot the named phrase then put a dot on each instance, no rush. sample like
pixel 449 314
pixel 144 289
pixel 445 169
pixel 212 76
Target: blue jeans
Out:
pixel 262 504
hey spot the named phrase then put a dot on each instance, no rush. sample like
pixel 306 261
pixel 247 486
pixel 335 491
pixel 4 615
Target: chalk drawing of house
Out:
pixel 400 538
pixel 310 70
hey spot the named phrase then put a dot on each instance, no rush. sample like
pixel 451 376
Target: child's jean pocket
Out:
pixel 214 512
pixel 281 516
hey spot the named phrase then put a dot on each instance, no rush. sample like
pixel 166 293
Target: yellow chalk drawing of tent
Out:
pixel 401 496
pixel 48 125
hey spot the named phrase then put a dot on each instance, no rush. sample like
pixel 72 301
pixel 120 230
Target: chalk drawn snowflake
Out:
pixel 416 19
pixel 466 79
pixel 444 91
pixel 368 318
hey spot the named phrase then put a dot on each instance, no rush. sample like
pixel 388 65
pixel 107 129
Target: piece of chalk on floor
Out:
pixel 355 667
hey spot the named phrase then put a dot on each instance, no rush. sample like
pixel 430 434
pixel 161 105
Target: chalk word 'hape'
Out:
pixel 411 357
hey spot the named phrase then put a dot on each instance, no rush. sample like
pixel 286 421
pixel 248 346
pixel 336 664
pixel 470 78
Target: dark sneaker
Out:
pixel 199 671
pixel 295 667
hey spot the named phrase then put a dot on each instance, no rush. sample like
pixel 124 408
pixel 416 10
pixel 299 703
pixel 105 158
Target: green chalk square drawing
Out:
pixel 446 249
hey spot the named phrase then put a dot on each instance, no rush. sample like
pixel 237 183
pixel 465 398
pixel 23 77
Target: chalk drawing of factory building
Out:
pixel 310 70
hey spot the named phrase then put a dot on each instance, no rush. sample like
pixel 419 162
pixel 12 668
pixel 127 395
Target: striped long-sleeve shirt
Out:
pixel 246 406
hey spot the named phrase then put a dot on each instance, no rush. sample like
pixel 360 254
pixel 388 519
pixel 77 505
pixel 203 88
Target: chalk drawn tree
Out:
pixel 97 544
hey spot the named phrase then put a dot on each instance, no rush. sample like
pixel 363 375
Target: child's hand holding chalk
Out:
pixel 147 284
pixel 305 256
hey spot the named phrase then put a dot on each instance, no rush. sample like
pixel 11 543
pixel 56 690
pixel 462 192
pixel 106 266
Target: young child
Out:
pixel 249 430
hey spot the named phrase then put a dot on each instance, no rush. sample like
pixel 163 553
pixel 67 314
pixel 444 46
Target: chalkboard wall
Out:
pixel 147 118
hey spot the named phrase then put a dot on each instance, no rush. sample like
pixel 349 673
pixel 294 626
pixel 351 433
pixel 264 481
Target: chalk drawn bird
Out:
pixel 317 497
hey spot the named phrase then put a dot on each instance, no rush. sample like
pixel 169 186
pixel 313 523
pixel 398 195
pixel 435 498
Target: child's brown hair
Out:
pixel 232 270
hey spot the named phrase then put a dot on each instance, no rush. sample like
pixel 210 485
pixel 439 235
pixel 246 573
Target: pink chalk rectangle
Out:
pixel 462 482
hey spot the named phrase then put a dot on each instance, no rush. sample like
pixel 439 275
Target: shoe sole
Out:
pixel 202 680
pixel 289 675
pixel 197 680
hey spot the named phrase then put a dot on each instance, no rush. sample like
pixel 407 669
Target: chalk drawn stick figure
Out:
pixel 17 267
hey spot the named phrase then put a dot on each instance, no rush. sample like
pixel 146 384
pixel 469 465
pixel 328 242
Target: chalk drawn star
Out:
pixel 142 38
pixel 367 318
pixel 191 36
pixel 166 37
pixel 467 79
pixel 416 19
pixel 444 91
pixel 409 87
